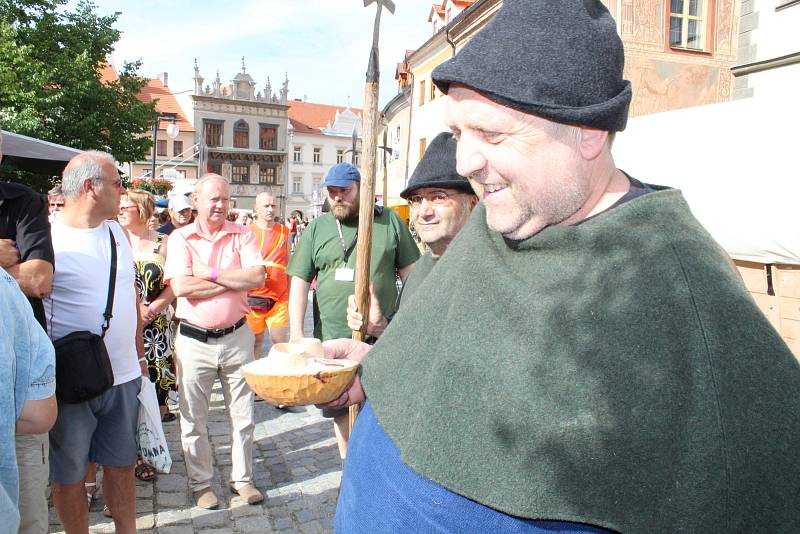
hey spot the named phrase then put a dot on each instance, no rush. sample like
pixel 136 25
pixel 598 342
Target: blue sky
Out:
pixel 323 45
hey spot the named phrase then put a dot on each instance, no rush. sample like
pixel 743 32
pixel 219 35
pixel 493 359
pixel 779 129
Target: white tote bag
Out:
pixel 150 440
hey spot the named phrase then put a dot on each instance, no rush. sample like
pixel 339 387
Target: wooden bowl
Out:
pixel 292 374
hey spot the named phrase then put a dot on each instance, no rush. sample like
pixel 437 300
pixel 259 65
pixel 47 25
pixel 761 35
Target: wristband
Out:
pixel 142 359
pixel 213 275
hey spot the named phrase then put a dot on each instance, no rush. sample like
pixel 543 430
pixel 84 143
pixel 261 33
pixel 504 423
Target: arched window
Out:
pixel 241 135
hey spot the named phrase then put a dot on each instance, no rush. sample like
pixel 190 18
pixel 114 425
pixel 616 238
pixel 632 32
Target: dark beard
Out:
pixel 344 212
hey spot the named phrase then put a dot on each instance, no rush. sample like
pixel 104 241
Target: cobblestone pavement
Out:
pixel 296 465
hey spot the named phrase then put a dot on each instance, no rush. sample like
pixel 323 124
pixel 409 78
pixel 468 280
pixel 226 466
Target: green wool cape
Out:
pixel 615 373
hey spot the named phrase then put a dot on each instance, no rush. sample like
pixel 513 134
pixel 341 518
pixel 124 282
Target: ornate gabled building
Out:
pixel 243 134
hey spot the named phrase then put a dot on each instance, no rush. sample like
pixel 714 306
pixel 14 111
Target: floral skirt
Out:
pixel 159 341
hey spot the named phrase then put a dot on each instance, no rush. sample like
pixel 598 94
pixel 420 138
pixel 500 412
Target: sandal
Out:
pixel 90 493
pixel 144 471
pixel 168 417
pixel 107 512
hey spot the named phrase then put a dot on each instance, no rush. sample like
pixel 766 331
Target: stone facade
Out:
pixel 243 135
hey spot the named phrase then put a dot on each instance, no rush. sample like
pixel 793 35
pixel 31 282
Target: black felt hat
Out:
pixel 561 60
pixel 437 168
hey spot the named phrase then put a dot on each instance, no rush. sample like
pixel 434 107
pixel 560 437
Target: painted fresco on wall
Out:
pixel 649 23
pixel 663 85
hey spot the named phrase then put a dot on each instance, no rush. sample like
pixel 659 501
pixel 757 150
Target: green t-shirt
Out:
pixel 320 254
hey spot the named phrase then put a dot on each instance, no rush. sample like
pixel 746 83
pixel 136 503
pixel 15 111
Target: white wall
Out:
pixel 308 169
pixel 778 32
pixel 737 165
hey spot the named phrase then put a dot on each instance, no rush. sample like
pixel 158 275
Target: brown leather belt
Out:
pixel 202 334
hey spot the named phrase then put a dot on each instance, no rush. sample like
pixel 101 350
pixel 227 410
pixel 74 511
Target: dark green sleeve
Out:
pixel 302 263
pixel 407 249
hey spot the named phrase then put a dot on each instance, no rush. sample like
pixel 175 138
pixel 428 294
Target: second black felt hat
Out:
pixel 437 168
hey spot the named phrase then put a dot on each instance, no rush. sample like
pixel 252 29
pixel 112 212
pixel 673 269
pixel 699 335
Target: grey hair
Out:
pixel 81 167
pixel 55 191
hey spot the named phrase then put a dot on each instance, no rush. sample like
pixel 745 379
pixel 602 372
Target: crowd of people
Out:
pixel 571 351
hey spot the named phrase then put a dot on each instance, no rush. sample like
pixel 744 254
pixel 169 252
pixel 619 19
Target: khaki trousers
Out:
pixel 33 461
pixel 198 365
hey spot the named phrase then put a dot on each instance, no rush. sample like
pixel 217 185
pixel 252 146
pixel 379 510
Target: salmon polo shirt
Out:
pixel 232 247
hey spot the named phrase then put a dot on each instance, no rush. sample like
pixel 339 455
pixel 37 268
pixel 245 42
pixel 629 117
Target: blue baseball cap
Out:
pixel 341 175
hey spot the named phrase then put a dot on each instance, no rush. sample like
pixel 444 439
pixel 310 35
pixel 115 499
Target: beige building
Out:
pixel 242 134
pixel 674 59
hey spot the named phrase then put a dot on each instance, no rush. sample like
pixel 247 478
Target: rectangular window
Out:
pixel 317 155
pixel 423 144
pixel 268 138
pixel 422 92
pixel 339 155
pixel 212 133
pixel 297 185
pixel 298 154
pixel 240 174
pixel 161 147
pixel 241 138
pixel 177 148
pixel 215 167
pixel 316 180
pixel 687 24
pixel 433 91
pixel 266 175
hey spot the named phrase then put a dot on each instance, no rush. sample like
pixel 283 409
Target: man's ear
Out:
pixel 87 185
pixel 592 142
pixel 473 201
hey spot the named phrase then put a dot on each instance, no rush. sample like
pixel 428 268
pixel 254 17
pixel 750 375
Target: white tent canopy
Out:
pixel 735 162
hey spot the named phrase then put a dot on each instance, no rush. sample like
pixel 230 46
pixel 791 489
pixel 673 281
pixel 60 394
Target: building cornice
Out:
pixel 463 26
pixel 213 100
pixel 400 101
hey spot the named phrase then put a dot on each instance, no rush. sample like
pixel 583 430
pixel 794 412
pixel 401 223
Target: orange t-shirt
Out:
pixel 274 248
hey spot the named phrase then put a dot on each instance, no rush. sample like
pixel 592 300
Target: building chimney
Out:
pixel 164 77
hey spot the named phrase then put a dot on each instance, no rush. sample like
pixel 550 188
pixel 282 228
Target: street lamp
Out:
pixel 172 132
pixel 285 193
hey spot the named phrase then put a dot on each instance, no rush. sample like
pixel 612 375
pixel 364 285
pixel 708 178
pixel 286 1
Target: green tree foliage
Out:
pixel 50 87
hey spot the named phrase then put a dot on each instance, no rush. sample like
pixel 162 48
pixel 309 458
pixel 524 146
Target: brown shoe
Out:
pixel 249 494
pixel 205 498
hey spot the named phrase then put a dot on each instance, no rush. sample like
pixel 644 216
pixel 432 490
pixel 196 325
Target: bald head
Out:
pixel 209 179
pixel 265 208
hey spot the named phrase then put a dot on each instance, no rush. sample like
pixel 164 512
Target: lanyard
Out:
pixel 345 249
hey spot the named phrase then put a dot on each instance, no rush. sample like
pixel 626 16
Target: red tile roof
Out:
pixel 438 9
pixel 108 74
pixel 167 104
pixel 308 117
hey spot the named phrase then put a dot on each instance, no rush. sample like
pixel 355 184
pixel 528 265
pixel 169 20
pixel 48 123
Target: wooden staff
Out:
pixel 369 134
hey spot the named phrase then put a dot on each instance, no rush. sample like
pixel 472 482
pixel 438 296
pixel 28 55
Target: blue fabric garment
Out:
pixel 27 372
pixel 379 493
